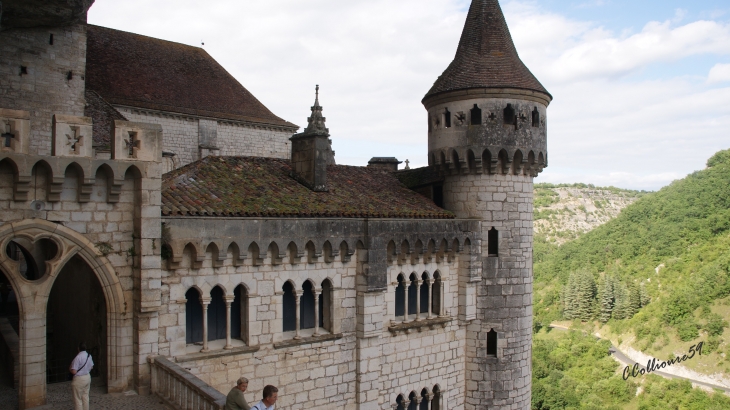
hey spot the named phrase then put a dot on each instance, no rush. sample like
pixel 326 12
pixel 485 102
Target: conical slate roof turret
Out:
pixel 486 56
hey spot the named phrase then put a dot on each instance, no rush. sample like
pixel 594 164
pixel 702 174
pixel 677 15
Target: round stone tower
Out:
pixel 487 134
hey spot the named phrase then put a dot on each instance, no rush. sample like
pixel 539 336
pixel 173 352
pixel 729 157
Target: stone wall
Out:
pixel 504 298
pixel 182 136
pixel 101 213
pixel 369 356
pixel 43 78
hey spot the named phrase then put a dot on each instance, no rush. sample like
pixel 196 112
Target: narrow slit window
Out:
pixel 50 40
pixel 491 343
pixel 493 242
pixel 509 115
pixel 476 115
pixel 447 118
pixel 535 118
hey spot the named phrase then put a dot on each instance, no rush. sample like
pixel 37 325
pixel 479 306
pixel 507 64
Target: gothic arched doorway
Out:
pixel 76 312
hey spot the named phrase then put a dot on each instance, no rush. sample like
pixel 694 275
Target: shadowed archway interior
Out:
pixel 76 313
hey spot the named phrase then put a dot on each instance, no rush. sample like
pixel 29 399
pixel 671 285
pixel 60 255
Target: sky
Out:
pixel 641 88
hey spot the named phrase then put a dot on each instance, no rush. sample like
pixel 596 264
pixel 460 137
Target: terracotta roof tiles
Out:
pixel 139 71
pixel 263 187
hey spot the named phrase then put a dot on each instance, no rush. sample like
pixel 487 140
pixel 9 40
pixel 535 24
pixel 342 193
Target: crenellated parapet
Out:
pixel 495 132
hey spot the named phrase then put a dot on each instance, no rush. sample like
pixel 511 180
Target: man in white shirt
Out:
pixel 80 368
pixel 271 393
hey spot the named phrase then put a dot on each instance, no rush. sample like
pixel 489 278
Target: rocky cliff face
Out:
pixel 42 13
pixel 564 212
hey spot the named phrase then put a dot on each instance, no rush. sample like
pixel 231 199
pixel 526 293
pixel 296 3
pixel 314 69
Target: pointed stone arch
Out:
pixel 33 298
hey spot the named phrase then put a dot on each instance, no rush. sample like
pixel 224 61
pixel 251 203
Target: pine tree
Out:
pixel 569 298
pixel 644 295
pixel 586 293
pixel 621 308
pixel 634 300
pixel 606 299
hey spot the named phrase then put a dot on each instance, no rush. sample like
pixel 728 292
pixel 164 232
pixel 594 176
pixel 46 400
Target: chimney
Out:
pixel 311 151
pixel 384 163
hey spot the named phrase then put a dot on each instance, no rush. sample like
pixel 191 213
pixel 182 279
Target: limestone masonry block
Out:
pixel 71 136
pixel 14 131
pixel 137 141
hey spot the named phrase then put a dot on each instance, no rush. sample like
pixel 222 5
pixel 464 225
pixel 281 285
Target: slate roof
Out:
pixel 263 187
pixel 103 115
pixel 139 71
pixel 418 177
pixel 486 56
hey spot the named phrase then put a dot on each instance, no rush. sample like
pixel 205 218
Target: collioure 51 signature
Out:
pixel 652 365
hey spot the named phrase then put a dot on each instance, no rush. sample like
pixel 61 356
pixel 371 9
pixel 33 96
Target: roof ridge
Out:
pixel 146 36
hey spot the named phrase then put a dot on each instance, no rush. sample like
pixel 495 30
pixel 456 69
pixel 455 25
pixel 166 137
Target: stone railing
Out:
pixel 180 389
pixel 9 351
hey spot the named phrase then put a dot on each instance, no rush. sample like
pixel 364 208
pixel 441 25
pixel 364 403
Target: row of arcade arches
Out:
pixel 424 400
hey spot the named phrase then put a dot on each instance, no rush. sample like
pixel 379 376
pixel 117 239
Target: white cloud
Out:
pixel 719 73
pixel 376 59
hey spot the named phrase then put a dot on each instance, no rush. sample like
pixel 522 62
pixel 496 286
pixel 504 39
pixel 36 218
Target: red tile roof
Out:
pixel 263 187
pixel 139 71
pixel 486 56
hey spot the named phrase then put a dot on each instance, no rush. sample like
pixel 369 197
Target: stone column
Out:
pixel 229 301
pixel 418 299
pixel 405 299
pixel 442 291
pixel 430 298
pixel 205 303
pixel 297 295
pixel 317 294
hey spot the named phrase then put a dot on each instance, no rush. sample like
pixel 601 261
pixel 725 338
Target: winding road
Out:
pixel 624 359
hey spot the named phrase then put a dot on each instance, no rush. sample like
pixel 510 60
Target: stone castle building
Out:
pixel 154 208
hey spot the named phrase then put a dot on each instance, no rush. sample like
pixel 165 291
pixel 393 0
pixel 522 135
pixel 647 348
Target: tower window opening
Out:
pixel 493 242
pixel 476 115
pixel 509 115
pixel 491 343
pixel 535 118
pixel 50 40
pixel 447 118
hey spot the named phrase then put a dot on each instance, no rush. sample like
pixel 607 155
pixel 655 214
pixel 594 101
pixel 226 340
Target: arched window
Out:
pixel 436 294
pixel 289 307
pixel 306 306
pixel 493 242
pixel 193 317
pixel 239 314
pixel 436 400
pixel 535 118
pixel 476 115
pixel 412 294
pixel 424 293
pixel 400 297
pixel 400 402
pixel 424 400
pixel 491 343
pixel 325 306
pixel 413 401
pixel 216 315
pixel 509 115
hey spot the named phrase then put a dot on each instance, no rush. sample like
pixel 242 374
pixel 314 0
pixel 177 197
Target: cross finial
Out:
pixel 316 95
pixel 74 140
pixel 7 134
pixel 132 144
pixel 408 162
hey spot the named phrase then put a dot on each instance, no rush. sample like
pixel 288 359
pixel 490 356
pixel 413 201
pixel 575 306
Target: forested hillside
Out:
pixel 657 274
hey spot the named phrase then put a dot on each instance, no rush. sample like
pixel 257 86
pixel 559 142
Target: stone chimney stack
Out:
pixel 384 163
pixel 311 151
